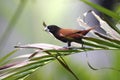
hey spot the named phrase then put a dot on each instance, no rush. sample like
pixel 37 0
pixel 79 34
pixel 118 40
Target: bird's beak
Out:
pixel 46 29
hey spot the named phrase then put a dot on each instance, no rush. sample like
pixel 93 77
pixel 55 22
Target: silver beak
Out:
pixel 46 29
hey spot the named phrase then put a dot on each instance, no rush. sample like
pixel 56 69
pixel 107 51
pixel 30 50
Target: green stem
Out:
pixel 63 63
pixel 102 9
pixel 12 23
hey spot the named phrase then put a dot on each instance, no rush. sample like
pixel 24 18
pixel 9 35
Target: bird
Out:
pixel 66 35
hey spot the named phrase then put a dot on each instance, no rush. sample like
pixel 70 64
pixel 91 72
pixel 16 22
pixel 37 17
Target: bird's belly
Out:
pixel 69 38
pixel 63 39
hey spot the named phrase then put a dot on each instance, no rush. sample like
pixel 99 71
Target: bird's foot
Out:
pixel 67 47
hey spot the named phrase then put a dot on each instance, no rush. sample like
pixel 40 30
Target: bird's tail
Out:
pixel 84 32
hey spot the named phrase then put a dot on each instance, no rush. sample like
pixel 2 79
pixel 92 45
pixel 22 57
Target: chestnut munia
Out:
pixel 66 35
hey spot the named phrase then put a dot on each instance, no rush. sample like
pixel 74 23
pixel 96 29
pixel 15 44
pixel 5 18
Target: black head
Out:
pixel 52 28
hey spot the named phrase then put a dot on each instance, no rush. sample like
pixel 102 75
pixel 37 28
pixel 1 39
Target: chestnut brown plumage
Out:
pixel 66 35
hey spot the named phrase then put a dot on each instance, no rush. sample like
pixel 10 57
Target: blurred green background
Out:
pixel 26 28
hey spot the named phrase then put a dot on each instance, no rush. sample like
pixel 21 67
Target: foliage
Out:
pixel 14 69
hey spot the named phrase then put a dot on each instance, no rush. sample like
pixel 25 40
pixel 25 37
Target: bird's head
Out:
pixel 52 28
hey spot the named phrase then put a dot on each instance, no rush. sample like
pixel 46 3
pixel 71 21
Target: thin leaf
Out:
pixel 107 38
pixel 102 9
pixel 7 56
pixel 12 22
pixel 41 46
pixel 105 11
pixel 92 44
pixel 18 73
pixel 103 42
pixel 113 32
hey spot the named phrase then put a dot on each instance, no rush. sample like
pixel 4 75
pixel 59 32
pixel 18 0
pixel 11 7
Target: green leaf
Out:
pixel 21 72
pixel 103 10
pixel 107 12
pixel 92 44
pixel 12 22
pixel 7 56
pixel 108 26
pixel 103 42
pixel 107 38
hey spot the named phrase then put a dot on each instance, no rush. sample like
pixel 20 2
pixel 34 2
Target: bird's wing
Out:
pixel 74 33
pixel 70 33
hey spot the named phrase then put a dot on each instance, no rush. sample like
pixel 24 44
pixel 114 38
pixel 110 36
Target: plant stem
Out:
pixel 63 63
pixel 12 23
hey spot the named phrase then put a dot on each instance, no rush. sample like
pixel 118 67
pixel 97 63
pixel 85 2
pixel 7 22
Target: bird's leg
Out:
pixel 82 44
pixel 69 44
